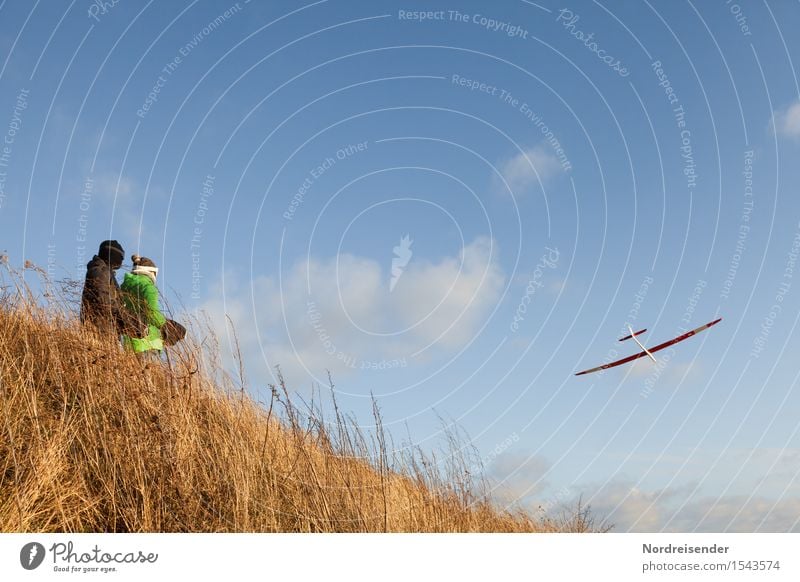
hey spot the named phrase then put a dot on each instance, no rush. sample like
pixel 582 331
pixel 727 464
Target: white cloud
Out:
pixel 787 122
pixel 138 228
pixel 446 301
pixel 113 188
pixel 338 314
pixel 522 479
pixel 526 170
pixel 516 476
pixel 629 508
pixel 674 509
pixel 743 514
pixel 661 373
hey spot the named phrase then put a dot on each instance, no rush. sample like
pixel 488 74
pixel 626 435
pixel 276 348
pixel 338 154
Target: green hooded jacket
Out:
pixel 141 297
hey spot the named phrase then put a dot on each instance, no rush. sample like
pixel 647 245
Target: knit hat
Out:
pixel 111 252
pixel 144 266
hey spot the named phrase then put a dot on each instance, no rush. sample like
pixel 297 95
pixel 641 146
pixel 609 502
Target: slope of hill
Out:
pixel 96 440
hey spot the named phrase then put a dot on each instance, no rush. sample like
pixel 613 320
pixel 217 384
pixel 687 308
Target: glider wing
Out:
pixel 644 353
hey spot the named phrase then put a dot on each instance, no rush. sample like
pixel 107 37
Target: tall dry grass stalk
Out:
pixel 95 439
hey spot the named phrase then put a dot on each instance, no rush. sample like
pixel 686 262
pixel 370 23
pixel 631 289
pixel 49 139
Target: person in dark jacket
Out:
pixel 101 302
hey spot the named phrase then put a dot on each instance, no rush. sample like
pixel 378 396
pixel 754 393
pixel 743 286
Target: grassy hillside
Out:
pixel 96 440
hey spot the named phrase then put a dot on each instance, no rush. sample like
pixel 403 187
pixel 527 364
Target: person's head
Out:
pixel 112 253
pixel 144 266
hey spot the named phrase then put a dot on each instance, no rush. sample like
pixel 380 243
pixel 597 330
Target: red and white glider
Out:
pixel 645 351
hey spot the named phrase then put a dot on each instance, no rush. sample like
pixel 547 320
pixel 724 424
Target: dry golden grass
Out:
pixel 96 440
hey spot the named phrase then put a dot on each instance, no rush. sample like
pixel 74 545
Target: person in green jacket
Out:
pixel 140 295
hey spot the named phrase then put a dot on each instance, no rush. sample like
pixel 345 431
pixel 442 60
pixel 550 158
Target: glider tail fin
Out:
pixel 633 334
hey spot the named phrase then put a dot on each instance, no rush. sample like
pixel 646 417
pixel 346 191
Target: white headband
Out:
pixel 145 270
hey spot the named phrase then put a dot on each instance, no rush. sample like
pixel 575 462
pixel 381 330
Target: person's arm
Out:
pixel 99 291
pixel 119 309
pixel 153 310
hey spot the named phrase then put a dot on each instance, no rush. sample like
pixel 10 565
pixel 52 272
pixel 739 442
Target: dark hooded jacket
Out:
pixel 101 303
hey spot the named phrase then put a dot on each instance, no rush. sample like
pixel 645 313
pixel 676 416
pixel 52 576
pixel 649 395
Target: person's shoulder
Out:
pixel 130 280
pixel 96 265
pixel 133 280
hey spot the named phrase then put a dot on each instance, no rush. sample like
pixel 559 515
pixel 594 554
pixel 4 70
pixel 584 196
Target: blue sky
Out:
pixel 558 171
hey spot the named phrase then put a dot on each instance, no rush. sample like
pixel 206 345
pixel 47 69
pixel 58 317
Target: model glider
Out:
pixel 645 351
